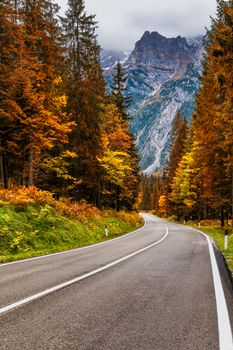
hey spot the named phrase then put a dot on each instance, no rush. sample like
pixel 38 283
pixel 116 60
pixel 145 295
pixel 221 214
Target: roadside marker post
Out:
pixel 106 230
pixel 226 238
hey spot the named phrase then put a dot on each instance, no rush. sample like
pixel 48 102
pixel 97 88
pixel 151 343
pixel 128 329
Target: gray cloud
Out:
pixel 122 22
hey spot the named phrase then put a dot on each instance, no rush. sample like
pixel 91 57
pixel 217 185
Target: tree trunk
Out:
pixel 30 177
pixel 3 167
pixel 222 217
pixel 205 210
pixel 232 198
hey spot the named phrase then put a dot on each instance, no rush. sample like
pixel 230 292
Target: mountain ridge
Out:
pixel 163 77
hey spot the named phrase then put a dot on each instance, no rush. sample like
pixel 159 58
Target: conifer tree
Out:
pixel 119 91
pixel 179 136
pixel 86 90
pixel 122 102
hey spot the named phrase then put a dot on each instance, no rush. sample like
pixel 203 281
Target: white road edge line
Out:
pixel 80 278
pixel 72 250
pixel 224 325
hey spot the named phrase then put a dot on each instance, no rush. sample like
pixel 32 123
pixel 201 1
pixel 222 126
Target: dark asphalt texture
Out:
pixel 161 299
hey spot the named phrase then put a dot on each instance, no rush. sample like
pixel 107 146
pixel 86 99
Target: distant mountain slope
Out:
pixel 163 77
pixel 109 58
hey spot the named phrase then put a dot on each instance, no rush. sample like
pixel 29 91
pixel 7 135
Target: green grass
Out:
pixel 32 231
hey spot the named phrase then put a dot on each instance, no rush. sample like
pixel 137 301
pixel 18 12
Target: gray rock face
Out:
pixel 109 58
pixel 163 77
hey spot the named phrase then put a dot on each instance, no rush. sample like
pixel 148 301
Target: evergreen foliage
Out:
pixel 179 137
pixel 119 91
pixel 85 89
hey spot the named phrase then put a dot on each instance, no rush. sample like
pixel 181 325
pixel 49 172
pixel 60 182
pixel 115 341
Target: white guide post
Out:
pixel 106 230
pixel 226 239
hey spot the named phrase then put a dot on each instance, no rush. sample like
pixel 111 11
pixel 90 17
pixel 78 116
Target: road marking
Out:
pixel 80 278
pixel 72 250
pixel 224 325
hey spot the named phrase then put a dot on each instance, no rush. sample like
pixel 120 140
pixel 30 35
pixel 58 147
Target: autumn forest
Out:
pixel 59 130
pixel 62 133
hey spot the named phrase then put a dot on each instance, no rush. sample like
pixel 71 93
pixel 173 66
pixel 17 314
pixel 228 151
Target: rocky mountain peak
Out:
pixel 152 37
pixel 160 47
pixel 163 77
pixel 155 60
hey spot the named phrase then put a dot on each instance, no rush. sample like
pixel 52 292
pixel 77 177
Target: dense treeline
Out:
pixel 59 130
pixel 198 181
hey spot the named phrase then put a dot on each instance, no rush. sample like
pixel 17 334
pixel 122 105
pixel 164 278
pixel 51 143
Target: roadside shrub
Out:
pixel 81 211
pixel 130 218
pixel 173 218
pixel 213 223
pixel 24 196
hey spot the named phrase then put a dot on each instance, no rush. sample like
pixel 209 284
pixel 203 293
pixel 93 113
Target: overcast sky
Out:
pixel 122 22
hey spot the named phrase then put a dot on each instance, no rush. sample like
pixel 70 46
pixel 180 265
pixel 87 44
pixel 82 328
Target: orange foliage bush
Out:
pixel 130 218
pixel 81 211
pixel 24 196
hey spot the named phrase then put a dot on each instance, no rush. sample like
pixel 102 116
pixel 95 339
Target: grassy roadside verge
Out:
pixel 36 230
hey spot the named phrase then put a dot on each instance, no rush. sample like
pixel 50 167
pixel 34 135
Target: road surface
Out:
pixel 155 289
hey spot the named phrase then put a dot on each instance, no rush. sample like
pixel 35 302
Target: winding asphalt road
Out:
pixel 158 288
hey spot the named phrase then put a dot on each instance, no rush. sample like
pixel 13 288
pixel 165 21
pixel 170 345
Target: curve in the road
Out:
pixel 219 299
pixel 71 250
pixel 79 278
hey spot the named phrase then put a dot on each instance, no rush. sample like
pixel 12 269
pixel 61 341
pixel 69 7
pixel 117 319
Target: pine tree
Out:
pixel 119 91
pixel 122 102
pixel 179 137
pixel 85 88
